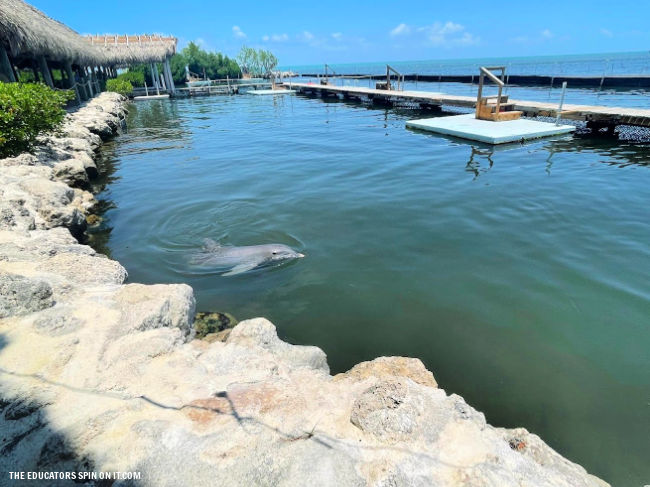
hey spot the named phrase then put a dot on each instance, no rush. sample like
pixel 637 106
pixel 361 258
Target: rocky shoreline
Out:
pixel 101 376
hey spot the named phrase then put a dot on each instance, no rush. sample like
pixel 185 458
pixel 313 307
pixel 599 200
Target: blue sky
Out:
pixel 335 31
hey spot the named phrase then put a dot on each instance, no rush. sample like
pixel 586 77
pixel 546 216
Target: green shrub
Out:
pixel 136 78
pixel 26 111
pixel 120 86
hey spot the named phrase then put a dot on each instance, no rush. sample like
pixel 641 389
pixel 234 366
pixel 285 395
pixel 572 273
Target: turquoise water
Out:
pixel 632 63
pixel 520 276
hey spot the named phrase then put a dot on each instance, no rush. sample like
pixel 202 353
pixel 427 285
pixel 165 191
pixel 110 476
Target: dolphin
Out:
pixel 236 260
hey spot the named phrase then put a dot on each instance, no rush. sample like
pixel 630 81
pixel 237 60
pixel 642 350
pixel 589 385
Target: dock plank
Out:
pixel 613 115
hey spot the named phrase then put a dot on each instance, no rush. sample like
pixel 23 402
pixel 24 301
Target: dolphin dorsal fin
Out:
pixel 209 244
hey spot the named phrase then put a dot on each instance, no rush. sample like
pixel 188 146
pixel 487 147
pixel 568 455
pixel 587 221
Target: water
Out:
pixel 520 276
pixel 621 63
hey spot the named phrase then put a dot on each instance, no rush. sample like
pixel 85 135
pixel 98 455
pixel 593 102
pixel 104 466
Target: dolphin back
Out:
pixel 210 245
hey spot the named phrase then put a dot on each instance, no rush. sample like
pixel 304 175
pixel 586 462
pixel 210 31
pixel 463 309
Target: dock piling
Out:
pixel 559 108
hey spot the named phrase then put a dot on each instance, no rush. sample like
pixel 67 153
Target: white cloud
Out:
pixel 275 38
pixel 306 36
pixel 607 32
pixel 448 34
pixel 337 35
pixel 546 34
pixel 237 32
pixel 401 29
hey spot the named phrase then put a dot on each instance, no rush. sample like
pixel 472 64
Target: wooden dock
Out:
pixel 597 117
pixel 222 88
pixel 602 81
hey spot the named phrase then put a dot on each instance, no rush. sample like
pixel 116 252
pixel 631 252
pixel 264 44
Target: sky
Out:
pixel 313 32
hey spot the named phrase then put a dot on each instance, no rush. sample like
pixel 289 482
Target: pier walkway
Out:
pixel 602 81
pixel 596 116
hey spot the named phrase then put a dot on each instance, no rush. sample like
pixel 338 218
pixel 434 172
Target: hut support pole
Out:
pixel 162 80
pixel 170 82
pixel 47 75
pixel 71 80
pixel 7 69
pixel 82 84
pixel 89 83
pixel 154 77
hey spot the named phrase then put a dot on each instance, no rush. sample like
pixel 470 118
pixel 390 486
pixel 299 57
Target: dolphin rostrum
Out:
pixel 236 260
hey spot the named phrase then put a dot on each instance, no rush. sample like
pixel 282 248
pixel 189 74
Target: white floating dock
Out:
pixel 150 97
pixel 469 127
pixel 271 92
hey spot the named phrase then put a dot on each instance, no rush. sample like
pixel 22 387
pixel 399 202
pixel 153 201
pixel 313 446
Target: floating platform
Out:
pixel 271 92
pixel 151 97
pixel 469 127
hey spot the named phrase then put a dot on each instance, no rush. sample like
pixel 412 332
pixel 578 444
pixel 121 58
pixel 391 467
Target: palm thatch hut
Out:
pixel 26 31
pixel 29 39
pixel 122 51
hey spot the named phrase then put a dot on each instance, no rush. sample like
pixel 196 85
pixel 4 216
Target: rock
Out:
pixel 85 269
pixel 14 215
pixel 146 307
pixel 72 172
pixel 260 332
pixel 57 322
pixel 25 159
pixel 385 411
pixel 93 220
pixel 216 324
pixel 20 295
pixel 388 367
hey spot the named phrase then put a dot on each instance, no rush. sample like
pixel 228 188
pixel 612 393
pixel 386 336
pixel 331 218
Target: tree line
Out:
pixel 212 65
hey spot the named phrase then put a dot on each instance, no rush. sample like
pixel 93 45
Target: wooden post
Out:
pixel 47 75
pixel 166 68
pixel 88 80
pixel 154 77
pixel 7 69
pixel 71 81
pixel 162 80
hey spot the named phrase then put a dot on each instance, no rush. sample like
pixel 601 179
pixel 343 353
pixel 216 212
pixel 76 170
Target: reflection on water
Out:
pixel 518 274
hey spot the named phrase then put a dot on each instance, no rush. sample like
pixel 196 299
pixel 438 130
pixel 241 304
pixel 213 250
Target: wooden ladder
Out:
pixel 494 108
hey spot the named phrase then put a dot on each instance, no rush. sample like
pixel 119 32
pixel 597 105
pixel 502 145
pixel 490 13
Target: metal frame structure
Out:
pixel 487 71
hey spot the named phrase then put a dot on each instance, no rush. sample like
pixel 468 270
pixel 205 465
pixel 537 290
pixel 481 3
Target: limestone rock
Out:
pixel 72 172
pixel 20 295
pixel 260 332
pixel 146 307
pixel 386 411
pixel 388 367
pixel 85 269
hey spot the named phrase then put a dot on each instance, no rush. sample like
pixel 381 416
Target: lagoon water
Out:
pixel 520 276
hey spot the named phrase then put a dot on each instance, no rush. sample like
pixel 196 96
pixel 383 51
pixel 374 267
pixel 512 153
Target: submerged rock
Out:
pixel 213 326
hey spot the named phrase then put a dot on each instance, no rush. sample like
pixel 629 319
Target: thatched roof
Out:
pixel 27 32
pixel 125 50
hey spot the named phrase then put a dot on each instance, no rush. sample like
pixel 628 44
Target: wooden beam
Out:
pixel 154 77
pixel 45 69
pixel 167 68
pixel 89 84
pixel 5 64
pixel 72 83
